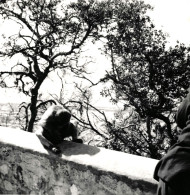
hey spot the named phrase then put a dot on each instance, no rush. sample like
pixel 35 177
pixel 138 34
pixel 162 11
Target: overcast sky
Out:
pixel 173 16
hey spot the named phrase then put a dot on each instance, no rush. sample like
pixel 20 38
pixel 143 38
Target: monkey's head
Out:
pixel 62 118
pixel 55 117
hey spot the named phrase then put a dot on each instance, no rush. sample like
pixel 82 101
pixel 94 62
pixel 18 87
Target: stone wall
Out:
pixel 27 168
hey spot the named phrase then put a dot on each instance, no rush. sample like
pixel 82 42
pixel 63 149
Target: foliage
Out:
pixel 148 78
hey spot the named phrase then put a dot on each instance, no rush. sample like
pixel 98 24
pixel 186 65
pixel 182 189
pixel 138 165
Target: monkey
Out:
pixel 55 126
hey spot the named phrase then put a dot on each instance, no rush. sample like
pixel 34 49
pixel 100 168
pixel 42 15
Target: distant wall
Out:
pixel 27 168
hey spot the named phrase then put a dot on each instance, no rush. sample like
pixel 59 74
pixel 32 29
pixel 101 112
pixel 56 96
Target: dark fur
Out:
pixel 56 126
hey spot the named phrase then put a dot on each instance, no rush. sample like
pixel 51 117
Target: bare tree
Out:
pixel 50 37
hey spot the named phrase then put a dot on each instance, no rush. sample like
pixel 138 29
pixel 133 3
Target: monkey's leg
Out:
pixel 78 141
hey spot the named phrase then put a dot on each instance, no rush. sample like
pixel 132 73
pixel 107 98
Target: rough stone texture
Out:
pixel 27 168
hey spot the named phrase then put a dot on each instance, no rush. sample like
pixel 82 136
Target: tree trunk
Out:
pixel 33 109
pixel 169 129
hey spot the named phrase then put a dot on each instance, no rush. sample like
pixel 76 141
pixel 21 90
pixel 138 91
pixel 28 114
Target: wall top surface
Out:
pixel 132 166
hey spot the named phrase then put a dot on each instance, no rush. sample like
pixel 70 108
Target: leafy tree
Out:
pixel 50 37
pixel 149 78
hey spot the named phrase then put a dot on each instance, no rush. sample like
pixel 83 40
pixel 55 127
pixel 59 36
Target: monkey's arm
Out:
pixel 74 134
pixel 46 143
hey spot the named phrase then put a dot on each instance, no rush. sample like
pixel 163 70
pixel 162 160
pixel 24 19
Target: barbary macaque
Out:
pixel 56 126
